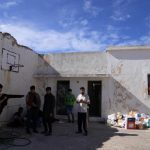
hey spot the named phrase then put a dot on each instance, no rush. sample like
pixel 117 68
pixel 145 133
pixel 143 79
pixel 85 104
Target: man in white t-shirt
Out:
pixel 82 101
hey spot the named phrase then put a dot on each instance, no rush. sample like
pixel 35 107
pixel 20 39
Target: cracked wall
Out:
pixel 129 70
pixel 17 82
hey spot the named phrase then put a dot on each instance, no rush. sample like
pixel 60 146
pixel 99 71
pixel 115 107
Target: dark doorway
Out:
pixel 94 92
pixel 62 87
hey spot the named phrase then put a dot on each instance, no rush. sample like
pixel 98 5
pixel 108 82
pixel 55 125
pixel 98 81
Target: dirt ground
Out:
pixel 100 137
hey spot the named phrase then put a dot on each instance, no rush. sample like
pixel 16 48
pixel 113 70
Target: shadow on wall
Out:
pixel 124 101
pixel 45 69
pixel 43 73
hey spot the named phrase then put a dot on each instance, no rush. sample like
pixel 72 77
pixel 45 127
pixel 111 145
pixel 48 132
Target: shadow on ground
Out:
pixel 64 138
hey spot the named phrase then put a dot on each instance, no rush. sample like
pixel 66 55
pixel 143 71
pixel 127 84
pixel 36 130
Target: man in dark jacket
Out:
pixel 33 104
pixel 48 110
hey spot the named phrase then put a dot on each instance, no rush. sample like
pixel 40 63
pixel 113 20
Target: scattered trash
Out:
pixel 132 120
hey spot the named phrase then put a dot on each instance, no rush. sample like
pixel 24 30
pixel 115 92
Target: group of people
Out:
pixel 33 105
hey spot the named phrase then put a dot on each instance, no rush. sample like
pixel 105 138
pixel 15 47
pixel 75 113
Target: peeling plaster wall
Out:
pixel 17 83
pixel 129 69
pixel 78 63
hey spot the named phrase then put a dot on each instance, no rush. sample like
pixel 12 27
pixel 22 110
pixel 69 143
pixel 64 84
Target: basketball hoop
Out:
pixel 15 66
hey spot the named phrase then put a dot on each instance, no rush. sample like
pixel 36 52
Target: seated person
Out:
pixel 17 119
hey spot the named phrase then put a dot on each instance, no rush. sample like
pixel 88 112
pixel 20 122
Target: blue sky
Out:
pixel 76 25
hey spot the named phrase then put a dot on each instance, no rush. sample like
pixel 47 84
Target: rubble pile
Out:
pixel 132 120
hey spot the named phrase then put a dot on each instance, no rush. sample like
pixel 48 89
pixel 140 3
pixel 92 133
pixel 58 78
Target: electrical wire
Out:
pixel 12 138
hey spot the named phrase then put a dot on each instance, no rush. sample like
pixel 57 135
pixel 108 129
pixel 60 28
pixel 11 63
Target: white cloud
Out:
pixel 90 8
pixel 84 22
pixel 81 39
pixel 118 16
pixel 117 3
pixel 71 20
pixel 9 17
pixel 145 39
pixel 68 19
pixel 9 4
pixel 120 10
pixel 147 21
pixel 129 43
pixel 51 40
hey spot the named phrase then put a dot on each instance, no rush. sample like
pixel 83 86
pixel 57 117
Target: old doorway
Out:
pixel 94 92
pixel 62 87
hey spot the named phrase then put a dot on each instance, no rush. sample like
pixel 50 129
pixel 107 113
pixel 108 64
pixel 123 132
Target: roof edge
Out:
pixel 6 34
pixel 126 48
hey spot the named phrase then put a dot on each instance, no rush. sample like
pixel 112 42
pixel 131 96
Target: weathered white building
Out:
pixel 18 79
pixel 116 80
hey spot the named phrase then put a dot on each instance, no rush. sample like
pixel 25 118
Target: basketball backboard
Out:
pixel 9 59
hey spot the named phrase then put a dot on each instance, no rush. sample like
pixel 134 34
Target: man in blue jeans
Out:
pixel 69 102
pixel 83 101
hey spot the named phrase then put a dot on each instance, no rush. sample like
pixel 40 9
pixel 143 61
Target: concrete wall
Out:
pixel 17 83
pixel 129 67
pixel 78 68
pixel 124 84
pixel 78 63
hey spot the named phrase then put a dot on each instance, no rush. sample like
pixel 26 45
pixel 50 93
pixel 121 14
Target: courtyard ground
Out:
pixel 100 137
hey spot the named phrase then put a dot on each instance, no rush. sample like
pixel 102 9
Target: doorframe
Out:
pixel 57 93
pixel 100 103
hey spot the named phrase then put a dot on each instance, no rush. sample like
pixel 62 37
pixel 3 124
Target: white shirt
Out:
pixel 82 107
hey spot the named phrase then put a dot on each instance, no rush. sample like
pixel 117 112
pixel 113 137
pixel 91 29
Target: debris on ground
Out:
pixel 132 120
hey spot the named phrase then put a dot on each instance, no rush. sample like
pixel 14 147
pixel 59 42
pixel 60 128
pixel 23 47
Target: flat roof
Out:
pixel 117 48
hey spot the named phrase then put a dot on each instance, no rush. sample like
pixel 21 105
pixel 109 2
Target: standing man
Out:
pixel 69 102
pixel 82 101
pixel 48 110
pixel 33 103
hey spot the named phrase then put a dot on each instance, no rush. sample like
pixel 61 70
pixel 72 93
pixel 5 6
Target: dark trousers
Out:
pixel 82 122
pixel 47 123
pixel 32 118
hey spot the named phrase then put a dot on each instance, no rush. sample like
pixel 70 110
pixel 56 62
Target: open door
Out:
pixel 62 88
pixel 94 92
